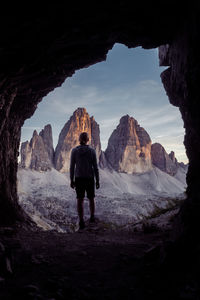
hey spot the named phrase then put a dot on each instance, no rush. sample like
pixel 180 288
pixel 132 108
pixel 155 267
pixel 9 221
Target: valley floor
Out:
pixel 96 263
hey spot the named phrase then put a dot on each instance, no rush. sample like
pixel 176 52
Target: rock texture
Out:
pixel 95 137
pixel 38 154
pixel 163 161
pixel 26 155
pixel 47 138
pixel 129 147
pixel 181 82
pixel 41 47
pixel 79 122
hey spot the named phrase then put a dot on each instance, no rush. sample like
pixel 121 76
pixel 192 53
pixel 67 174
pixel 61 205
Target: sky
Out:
pixel 128 82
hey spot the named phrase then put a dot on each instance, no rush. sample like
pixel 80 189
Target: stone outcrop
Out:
pixel 38 153
pixel 129 147
pixel 173 158
pixel 95 137
pixel 47 138
pixel 25 153
pixel 165 162
pixel 69 137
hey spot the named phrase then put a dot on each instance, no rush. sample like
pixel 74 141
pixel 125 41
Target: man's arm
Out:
pixel 95 167
pixel 72 167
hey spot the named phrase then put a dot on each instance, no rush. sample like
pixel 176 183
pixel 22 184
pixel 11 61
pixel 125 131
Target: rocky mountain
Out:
pixel 69 138
pixel 165 162
pixel 47 138
pixel 95 137
pixel 38 153
pixel 129 147
pixel 143 188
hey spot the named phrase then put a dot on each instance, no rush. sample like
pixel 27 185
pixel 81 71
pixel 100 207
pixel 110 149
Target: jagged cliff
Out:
pixel 129 147
pixel 47 138
pixel 165 162
pixel 69 138
pixel 38 153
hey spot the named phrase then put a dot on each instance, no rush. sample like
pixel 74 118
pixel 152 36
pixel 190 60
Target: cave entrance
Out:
pixel 127 83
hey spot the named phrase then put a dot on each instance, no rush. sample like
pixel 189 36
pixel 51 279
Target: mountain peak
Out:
pixel 163 161
pixel 126 119
pixel 35 133
pixel 69 137
pixel 80 111
pixel 38 154
pixel 129 147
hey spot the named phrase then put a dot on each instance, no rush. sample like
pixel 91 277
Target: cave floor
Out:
pixel 95 263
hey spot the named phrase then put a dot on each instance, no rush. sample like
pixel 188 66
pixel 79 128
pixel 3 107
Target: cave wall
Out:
pixel 41 46
pixel 182 84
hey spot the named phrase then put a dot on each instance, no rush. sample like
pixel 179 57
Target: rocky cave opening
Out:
pixel 126 87
pixel 40 50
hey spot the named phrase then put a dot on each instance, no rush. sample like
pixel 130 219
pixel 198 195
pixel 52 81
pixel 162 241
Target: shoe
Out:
pixel 81 225
pixel 92 219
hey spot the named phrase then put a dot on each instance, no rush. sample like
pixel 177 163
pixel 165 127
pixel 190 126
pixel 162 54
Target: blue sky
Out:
pixel 128 82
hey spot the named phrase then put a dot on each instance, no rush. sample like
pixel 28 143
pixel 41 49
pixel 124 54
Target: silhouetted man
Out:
pixel 84 165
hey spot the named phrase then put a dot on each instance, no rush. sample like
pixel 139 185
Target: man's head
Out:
pixel 83 138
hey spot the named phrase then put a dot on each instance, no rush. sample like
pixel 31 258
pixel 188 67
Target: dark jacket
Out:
pixel 84 163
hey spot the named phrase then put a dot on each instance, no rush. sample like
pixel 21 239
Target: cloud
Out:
pixel 31 128
pixel 161 120
pixel 70 96
pixel 144 99
pixel 137 100
pixel 65 101
pixel 149 85
pixel 107 123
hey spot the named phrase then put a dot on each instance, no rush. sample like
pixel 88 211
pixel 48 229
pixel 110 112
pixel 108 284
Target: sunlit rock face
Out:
pixel 163 161
pixel 47 138
pixel 129 147
pixel 95 137
pixel 38 153
pixel 79 122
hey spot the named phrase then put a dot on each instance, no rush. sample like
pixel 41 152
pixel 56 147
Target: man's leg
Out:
pixel 92 209
pixel 80 210
pixel 80 193
pixel 90 196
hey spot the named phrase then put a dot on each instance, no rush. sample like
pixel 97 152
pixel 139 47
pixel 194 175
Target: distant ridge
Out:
pixel 129 147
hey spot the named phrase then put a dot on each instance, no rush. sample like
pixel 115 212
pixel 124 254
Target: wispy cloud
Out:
pixel 32 128
pixel 65 101
pixel 107 123
pixel 161 120
pixel 69 97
